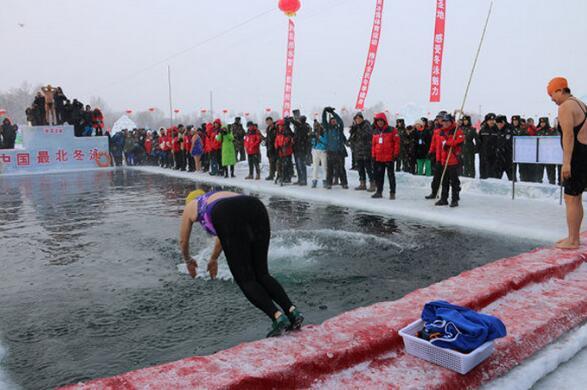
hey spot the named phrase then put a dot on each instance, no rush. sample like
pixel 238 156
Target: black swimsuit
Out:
pixel 576 184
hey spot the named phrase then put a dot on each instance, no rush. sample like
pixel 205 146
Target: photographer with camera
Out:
pixel 335 147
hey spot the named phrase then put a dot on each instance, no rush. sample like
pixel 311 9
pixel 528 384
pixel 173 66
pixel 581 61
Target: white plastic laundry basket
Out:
pixel 453 360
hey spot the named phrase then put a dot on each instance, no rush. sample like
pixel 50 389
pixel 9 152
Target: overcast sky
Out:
pixel 117 49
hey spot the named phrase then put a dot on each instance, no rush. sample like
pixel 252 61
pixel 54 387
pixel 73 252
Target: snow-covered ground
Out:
pixel 485 204
pixel 561 365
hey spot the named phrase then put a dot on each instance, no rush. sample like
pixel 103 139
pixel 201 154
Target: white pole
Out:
pixel 170 100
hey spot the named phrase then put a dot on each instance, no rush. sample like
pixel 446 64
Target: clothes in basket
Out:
pixel 459 328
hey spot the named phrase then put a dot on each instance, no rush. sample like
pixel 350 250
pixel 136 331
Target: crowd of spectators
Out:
pixel 377 150
pixel 52 107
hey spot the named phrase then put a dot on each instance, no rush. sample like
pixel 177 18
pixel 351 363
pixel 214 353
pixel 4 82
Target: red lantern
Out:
pixel 129 112
pixel 268 109
pixel 289 7
pixel 2 111
pixel 225 111
pixel 203 111
pixel 397 114
pixel 246 114
pixel 152 109
pixel 176 110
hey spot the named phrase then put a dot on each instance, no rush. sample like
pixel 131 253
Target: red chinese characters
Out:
pixel 6 158
pixel 61 155
pixel 437 51
pixel 291 47
pixel 78 155
pixel 42 157
pixel 371 56
pixel 93 154
pixel 23 159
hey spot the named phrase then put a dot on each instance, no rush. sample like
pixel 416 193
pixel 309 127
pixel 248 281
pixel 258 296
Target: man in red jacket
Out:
pixel 450 140
pixel 384 150
pixel 187 149
pixel 284 148
pixel 252 147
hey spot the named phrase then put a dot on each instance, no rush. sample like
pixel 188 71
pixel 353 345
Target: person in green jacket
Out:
pixel 228 153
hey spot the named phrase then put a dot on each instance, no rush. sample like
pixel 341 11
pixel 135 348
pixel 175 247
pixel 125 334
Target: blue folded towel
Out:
pixel 461 329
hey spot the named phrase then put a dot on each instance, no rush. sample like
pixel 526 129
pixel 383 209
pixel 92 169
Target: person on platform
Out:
pixel 504 149
pixel 319 158
pixel 572 125
pixel 487 147
pixel 301 148
pixel 470 147
pixel 241 226
pixel 228 152
pixel 197 149
pixel 545 130
pixel 361 138
pixel 270 135
pixel 252 144
pixel 335 148
pixel 7 134
pixel 400 125
pixel 60 100
pixel 49 95
pixel 450 140
pixel 239 138
pixel 385 146
pixel 284 149
pixel 423 140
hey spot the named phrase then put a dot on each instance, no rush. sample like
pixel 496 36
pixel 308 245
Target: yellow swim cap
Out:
pixel 193 195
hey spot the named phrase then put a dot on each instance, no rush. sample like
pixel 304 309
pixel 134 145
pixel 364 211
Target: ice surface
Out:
pixel 547 364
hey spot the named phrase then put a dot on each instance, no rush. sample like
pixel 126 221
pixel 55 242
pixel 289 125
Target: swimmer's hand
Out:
pixel 213 268
pixel 192 267
pixel 566 171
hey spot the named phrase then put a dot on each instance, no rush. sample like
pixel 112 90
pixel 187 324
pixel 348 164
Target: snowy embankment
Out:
pixel 485 204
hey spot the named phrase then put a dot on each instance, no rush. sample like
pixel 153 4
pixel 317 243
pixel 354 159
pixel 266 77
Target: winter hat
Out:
pixel 419 122
pixel 556 84
pixel 249 124
pixel 501 119
pixel 448 118
pixel 489 116
pixel 358 115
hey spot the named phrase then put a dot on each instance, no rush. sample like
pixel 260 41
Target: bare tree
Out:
pixel 16 100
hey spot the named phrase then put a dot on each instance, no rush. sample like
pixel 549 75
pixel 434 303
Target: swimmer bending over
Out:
pixel 241 226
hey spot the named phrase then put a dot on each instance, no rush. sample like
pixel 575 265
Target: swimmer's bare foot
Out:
pixel 566 244
pixel 562 239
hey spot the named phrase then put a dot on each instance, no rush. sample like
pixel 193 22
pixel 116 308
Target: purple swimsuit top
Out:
pixel 205 211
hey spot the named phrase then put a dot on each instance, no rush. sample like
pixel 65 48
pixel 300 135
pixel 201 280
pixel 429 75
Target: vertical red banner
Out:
pixel 437 51
pixel 289 62
pixel 371 56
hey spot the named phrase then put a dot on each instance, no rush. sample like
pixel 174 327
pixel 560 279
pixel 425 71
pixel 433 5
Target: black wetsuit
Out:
pixel 576 184
pixel 242 225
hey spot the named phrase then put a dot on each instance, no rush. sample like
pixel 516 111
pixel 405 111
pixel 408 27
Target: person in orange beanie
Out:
pixel 572 124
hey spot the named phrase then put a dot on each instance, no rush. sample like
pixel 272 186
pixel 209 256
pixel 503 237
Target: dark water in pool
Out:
pixel 90 287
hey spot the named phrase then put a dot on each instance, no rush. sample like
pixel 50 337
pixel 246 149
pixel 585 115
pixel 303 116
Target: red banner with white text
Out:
pixel 437 51
pixel 289 62
pixel 371 56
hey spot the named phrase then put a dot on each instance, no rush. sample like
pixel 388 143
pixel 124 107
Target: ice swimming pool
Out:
pixel 90 284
